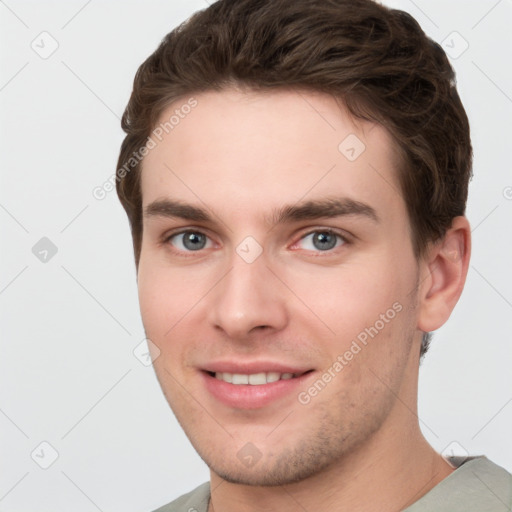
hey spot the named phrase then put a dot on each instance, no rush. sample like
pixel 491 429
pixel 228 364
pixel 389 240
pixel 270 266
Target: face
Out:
pixel 277 280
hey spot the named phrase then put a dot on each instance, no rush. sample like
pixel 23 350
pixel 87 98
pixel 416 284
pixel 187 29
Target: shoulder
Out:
pixel 477 485
pixel 194 501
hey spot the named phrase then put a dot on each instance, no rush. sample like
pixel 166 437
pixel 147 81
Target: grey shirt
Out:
pixel 477 485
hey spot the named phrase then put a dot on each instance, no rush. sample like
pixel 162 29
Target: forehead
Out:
pixel 252 151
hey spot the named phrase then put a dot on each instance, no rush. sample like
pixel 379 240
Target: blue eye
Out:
pixel 322 241
pixel 190 241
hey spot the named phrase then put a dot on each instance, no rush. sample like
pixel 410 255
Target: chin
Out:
pixel 264 478
pixel 288 467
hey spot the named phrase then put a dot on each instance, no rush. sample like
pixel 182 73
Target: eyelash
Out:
pixel 318 253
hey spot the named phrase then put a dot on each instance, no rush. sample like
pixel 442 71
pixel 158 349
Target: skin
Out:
pixel 241 155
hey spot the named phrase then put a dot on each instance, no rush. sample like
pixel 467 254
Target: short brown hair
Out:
pixel 377 60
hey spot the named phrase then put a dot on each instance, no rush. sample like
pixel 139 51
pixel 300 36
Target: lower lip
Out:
pixel 247 396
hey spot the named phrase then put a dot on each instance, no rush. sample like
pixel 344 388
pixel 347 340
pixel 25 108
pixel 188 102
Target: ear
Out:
pixel 443 274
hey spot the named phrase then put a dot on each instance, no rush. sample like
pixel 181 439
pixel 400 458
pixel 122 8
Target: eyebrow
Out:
pixel 308 210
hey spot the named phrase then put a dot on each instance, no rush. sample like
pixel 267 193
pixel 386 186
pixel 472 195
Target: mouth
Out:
pixel 255 379
pixel 256 389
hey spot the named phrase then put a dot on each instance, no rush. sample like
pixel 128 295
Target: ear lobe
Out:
pixel 443 274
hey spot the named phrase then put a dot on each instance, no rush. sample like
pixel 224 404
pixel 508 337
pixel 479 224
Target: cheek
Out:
pixel 348 298
pixel 172 304
pixel 166 296
pixel 154 303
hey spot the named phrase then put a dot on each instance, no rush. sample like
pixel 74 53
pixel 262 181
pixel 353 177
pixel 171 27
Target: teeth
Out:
pixel 238 378
pixel 273 376
pixel 255 379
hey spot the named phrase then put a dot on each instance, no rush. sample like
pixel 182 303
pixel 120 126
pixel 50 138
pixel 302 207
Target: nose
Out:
pixel 247 300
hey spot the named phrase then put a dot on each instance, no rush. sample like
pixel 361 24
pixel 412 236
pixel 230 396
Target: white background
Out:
pixel 69 326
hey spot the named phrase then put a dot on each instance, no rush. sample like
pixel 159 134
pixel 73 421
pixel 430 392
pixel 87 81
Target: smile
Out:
pixel 253 390
pixel 254 379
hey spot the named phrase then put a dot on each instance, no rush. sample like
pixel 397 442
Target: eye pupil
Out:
pixel 324 240
pixel 194 241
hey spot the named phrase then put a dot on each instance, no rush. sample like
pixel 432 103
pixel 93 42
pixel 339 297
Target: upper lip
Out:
pixel 252 367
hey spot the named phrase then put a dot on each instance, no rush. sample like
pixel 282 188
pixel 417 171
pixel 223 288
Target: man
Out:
pixel 295 175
